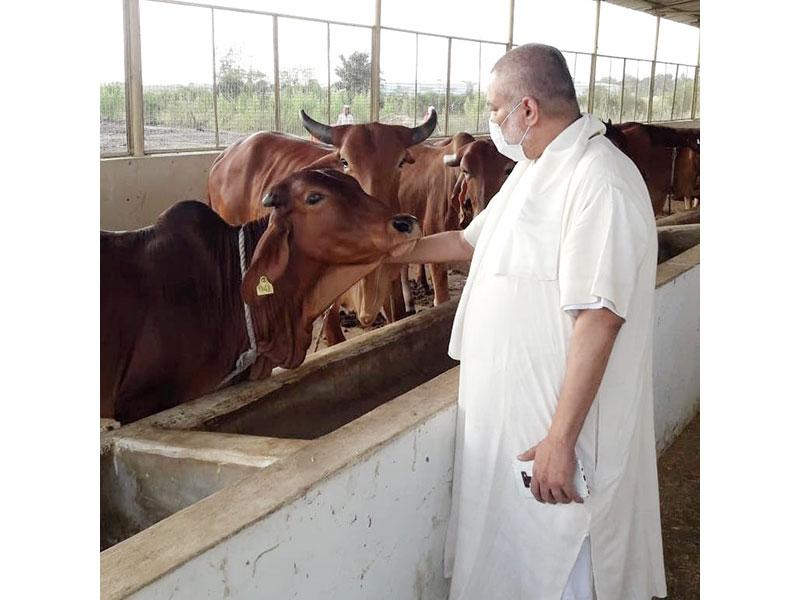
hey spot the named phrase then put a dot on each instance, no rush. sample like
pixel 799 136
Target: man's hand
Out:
pixel 553 473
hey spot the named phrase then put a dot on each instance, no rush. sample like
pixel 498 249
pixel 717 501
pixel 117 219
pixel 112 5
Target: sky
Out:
pixel 177 48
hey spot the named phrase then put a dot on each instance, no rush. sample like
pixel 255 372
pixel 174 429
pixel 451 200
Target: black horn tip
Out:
pixel 319 130
pixel 423 131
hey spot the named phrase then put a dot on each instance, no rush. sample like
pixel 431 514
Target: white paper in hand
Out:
pixel 523 472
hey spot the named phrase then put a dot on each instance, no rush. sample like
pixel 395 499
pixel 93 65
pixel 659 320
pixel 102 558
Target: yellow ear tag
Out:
pixel 264 287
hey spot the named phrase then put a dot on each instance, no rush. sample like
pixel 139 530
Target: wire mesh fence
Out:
pixel 113 118
pixel 220 84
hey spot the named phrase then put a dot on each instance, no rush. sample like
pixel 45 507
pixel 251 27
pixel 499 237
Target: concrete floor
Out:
pixel 679 488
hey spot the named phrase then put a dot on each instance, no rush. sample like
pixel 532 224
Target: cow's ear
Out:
pixel 454 160
pixel 458 194
pixel 269 262
pixel 329 161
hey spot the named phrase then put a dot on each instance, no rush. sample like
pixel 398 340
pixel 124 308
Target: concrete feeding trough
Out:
pixel 332 480
pixel 159 465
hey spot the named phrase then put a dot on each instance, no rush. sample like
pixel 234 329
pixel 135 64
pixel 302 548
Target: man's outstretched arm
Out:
pixel 445 247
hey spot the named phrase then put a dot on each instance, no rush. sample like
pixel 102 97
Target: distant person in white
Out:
pixel 345 117
pixel 554 330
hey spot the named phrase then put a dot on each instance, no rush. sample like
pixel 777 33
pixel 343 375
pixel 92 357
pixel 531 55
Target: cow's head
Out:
pixel 373 153
pixel 324 234
pixel 483 170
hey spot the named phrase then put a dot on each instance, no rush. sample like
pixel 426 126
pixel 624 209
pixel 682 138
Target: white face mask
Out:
pixel 512 151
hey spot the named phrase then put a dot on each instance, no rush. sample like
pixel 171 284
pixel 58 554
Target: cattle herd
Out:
pixel 217 292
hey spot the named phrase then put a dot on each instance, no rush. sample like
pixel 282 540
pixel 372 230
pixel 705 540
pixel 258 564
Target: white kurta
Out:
pixel 572 227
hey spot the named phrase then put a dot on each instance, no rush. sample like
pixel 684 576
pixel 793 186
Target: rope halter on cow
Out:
pixel 248 357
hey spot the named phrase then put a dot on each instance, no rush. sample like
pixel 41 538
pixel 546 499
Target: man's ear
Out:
pixel 269 262
pixel 532 110
pixel 329 161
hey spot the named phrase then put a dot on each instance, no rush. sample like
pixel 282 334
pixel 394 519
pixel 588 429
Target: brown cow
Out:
pixel 654 150
pixel 373 153
pixel 687 177
pixel 172 315
pixel 444 186
pixel 483 172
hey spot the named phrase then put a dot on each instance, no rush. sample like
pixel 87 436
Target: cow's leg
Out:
pixel 407 295
pixel 665 208
pixel 332 326
pixel 695 202
pixel 397 302
pixel 687 203
pixel 440 291
pixel 422 280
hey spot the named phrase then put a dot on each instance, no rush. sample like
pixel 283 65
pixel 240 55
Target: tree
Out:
pixel 354 74
pixel 233 80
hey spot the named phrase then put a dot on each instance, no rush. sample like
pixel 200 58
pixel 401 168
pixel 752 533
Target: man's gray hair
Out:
pixel 539 71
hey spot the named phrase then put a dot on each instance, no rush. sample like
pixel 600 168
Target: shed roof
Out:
pixel 682 11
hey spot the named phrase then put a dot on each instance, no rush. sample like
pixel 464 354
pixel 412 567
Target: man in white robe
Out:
pixel 554 332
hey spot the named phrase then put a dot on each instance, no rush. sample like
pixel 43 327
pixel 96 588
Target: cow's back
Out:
pixel 244 171
pixel 162 294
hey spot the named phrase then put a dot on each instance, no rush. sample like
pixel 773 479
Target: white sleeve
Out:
pixel 602 250
pixel 473 230
pixel 573 309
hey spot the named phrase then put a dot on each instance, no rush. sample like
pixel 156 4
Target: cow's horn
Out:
pixel 423 131
pixel 318 130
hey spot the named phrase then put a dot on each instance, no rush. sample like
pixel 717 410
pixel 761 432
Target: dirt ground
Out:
pixel 679 488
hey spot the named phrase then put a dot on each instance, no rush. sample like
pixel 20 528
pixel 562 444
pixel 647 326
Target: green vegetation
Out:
pixel 246 100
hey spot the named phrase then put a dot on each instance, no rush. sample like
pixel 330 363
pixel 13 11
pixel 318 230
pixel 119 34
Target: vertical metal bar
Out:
pixel 694 87
pixel 593 69
pixel 674 91
pixel 480 66
pixel 653 73
pixel 622 89
pixel 276 73
pixel 329 74
pixel 416 74
pixel 375 75
pixel 636 92
pixel 510 43
pixel 214 80
pixel 447 89
pixel 133 77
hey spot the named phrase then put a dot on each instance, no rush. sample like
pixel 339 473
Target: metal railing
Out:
pixel 236 101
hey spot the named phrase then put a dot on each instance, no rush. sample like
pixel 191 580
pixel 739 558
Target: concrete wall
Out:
pixel 676 352
pixel 375 530
pixel 361 512
pixel 135 190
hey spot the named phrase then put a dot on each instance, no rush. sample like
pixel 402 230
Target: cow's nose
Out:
pixel 404 223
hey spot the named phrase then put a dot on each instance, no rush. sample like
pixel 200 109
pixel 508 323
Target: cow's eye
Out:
pixel 313 198
pixel 402 162
pixel 344 163
pixel 465 172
